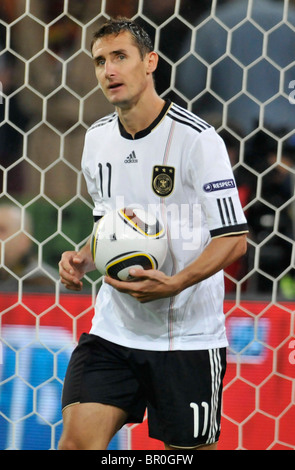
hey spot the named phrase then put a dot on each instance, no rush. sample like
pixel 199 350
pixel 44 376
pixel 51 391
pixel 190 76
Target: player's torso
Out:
pixel 151 172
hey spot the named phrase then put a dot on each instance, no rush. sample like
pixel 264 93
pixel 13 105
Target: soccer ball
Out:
pixel 128 238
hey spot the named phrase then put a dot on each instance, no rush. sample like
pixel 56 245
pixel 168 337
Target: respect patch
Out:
pixel 219 185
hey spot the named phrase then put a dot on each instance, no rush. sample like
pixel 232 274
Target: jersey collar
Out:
pixel 149 129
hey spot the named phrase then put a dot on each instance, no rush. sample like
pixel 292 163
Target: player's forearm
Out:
pixel 220 253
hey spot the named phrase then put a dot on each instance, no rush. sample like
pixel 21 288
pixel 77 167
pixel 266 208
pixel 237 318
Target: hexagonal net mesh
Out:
pixel 232 63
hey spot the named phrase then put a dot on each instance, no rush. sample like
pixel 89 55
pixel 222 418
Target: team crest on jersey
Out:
pixel 163 180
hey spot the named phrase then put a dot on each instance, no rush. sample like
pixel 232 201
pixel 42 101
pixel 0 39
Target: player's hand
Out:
pixel 72 270
pixel 147 285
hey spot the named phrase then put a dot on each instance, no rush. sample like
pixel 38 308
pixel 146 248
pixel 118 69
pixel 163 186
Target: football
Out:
pixel 128 238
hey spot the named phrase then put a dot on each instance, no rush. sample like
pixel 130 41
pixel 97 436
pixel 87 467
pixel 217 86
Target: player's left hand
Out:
pixel 147 285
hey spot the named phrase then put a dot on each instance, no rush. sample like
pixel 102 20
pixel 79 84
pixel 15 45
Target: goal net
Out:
pixel 232 63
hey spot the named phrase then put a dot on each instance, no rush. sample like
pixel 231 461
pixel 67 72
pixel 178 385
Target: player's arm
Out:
pixel 74 265
pixel 219 254
pixel 152 285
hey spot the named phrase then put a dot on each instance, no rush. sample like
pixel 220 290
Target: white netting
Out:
pixel 230 61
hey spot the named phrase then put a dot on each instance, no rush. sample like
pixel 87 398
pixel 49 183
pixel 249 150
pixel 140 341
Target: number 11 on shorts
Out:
pixel 196 412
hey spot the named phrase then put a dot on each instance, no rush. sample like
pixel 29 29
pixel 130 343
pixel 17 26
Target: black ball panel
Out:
pixel 127 261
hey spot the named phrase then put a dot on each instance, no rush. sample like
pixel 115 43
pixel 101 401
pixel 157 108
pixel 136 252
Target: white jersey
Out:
pixel 178 168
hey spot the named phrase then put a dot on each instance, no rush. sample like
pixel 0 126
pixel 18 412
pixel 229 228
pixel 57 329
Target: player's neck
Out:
pixel 141 115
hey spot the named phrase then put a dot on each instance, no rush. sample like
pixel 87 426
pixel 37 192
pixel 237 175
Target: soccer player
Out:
pixel 157 342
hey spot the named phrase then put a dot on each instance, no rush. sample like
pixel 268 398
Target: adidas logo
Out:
pixel 131 158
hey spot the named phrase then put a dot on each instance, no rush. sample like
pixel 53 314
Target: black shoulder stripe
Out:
pixel 187 118
pixel 187 123
pixel 188 114
pixel 103 121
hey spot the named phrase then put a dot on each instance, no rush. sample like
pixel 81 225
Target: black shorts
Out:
pixel 180 389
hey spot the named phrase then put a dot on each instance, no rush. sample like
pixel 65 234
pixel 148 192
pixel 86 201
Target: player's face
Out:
pixel 120 70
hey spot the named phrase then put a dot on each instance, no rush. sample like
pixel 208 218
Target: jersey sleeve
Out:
pixel 215 185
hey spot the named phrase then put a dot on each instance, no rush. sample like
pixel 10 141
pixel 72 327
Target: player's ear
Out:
pixel 152 59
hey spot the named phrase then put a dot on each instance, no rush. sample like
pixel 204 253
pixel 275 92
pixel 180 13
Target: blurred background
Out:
pixel 232 62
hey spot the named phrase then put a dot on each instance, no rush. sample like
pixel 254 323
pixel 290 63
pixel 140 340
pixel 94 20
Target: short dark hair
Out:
pixel 118 25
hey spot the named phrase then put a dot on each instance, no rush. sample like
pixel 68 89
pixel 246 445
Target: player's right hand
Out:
pixel 72 270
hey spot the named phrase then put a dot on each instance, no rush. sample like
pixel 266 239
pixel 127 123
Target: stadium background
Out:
pixel 230 61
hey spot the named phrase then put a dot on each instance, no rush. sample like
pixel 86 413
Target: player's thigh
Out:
pixel 185 410
pixel 99 372
pixel 90 426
